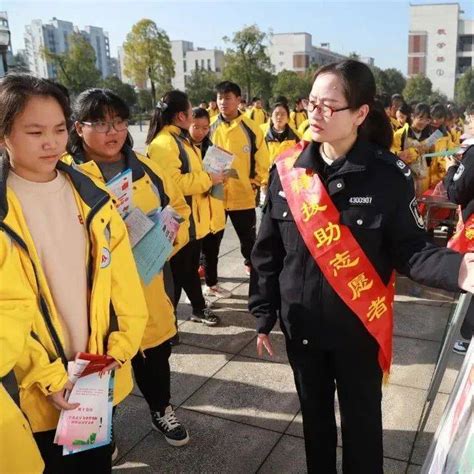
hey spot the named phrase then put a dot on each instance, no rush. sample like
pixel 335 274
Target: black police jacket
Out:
pixel 459 183
pixel 374 192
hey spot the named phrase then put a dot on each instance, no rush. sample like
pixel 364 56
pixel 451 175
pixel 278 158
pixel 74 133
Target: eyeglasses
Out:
pixel 323 109
pixel 101 126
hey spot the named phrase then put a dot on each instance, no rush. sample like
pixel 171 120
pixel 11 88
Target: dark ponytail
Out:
pixel 172 103
pixel 359 89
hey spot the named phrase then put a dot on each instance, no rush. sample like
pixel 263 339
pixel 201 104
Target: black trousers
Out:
pixel 210 256
pixel 358 378
pixel 98 460
pixel 244 223
pixel 184 266
pixel 467 328
pixel 153 375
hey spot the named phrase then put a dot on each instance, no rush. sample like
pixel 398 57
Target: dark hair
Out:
pixel 255 99
pixel 203 102
pixel 405 109
pixel 62 88
pixel 299 100
pixel 470 109
pixel 172 103
pixel 281 104
pixel 421 110
pixel 359 89
pixel 226 87
pixel 15 92
pixel 397 97
pixel 92 105
pixel 385 100
pixel 243 101
pixel 198 113
pixel 280 99
pixel 438 111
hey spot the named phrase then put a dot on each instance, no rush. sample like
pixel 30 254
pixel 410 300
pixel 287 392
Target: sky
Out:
pixel 378 29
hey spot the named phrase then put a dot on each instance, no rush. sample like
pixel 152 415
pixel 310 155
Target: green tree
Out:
pixel 465 88
pixel 125 91
pixel 148 57
pixel 291 85
pixel 76 67
pixel 437 96
pixel 418 89
pixel 246 61
pixel 388 81
pixel 395 81
pixel 200 85
pixel 145 100
pixel 19 64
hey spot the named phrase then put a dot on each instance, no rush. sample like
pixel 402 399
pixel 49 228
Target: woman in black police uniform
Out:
pixel 326 342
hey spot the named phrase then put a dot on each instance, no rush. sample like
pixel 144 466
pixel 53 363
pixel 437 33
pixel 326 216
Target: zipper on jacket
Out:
pixel 43 306
pixel 97 207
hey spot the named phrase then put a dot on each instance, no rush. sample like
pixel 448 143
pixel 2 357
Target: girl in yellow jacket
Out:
pixel 74 254
pixel 278 134
pixel 101 147
pixel 438 165
pixel 199 134
pixel 170 147
pixel 408 146
pixel 17 310
pixel 298 115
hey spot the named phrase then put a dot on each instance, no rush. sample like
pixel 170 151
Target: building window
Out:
pixel 417 43
pixel 209 68
pixel 300 61
pixel 416 65
pixel 464 64
pixel 466 43
pixel 184 65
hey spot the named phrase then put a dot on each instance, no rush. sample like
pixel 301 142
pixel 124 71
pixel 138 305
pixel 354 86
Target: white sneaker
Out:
pixel 217 291
pixel 208 302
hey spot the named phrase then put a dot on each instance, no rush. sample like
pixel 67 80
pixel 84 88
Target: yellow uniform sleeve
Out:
pixel 164 151
pixel 127 295
pixel 262 159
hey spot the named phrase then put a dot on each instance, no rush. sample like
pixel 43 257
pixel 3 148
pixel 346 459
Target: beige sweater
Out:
pixel 60 240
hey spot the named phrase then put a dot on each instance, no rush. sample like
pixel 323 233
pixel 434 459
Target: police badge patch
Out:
pixel 416 215
pixel 459 172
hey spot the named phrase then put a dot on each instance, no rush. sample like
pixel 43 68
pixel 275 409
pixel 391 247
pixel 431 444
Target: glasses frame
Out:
pixel 111 124
pixel 311 107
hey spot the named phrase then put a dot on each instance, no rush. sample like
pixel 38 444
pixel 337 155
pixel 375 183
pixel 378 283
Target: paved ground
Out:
pixel 242 412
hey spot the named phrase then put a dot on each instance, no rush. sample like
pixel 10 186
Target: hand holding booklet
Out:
pixel 218 160
pixel 90 424
pixel 152 239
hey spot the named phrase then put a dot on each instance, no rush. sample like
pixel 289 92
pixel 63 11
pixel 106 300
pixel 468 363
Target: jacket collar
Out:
pixel 287 134
pixel 131 162
pixel 356 160
pixel 87 190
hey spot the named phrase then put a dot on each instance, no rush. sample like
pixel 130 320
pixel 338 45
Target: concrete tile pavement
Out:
pixel 242 411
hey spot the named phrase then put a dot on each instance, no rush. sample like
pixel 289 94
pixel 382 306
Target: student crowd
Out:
pixel 69 282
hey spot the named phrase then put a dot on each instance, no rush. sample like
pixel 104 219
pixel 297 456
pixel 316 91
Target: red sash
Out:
pixel 463 239
pixel 337 253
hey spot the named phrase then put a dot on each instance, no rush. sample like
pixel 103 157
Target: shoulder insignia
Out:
pixel 393 160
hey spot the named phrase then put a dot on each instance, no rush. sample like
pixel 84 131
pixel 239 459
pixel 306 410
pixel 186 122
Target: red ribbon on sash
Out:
pixel 463 239
pixel 337 253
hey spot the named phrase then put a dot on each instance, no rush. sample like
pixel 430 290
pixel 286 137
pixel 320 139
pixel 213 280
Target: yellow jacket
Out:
pixel 298 117
pixel 259 116
pixel 172 150
pixel 438 164
pixel 17 310
pixel 304 131
pixel 212 112
pixel 117 309
pixel 152 188
pixel 244 140
pixel 218 219
pixel 275 146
